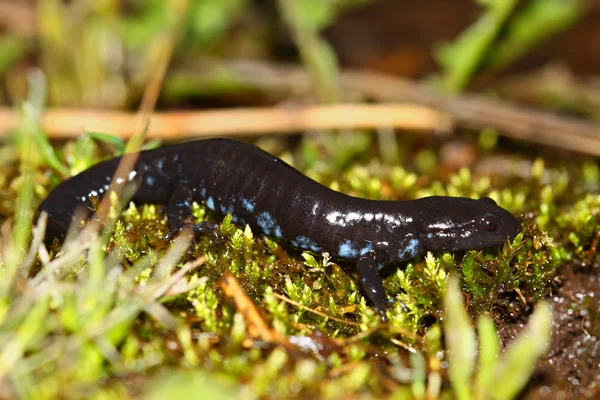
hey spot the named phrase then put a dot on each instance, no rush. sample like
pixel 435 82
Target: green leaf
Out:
pixel 535 22
pixel 115 141
pixel 83 156
pixel 30 129
pixel 317 54
pixel 23 337
pixel 194 384
pixel 210 20
pixel 418 364
pixel 489 348
pixel 517 365
pixel 463 57
pixel 12 49
pixel 460 341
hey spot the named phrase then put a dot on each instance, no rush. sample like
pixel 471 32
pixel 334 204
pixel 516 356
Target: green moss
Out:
pixel 91 295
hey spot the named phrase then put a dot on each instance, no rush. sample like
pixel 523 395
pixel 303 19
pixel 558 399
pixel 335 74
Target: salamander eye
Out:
pixel 489 222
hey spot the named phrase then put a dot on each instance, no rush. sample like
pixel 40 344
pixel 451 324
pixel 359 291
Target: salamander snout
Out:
pixel 511 226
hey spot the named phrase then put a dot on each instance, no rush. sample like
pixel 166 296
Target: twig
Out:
pixel 557 84
pixel 141 122
pixel 322 314
pixel 521 296
pixel 38 237
pixel 468 110
pixel 257 327
pixel 418 112
pixel 70 123
pixel 405 346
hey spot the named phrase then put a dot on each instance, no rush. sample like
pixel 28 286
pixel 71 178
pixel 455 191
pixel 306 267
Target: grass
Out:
pixel 501 35
pixel 137 320
pixel 91 324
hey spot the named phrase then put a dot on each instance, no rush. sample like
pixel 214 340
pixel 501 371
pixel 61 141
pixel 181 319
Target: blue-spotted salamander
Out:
pixel 259 189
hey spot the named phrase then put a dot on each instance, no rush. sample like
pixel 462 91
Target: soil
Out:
pixel 571 368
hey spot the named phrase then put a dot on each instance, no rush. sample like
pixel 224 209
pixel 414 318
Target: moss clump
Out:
pixel 306 298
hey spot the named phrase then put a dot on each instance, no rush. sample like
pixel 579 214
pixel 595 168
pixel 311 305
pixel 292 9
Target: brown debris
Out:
pixel 257 327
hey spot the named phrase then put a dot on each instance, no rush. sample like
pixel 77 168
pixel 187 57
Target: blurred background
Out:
pixel 517 82
pixel 102 53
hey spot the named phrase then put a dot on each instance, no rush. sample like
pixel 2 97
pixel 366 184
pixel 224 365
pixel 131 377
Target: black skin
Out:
pixel 275 199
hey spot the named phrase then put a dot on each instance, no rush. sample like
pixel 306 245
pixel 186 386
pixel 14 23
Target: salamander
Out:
pixel 259 189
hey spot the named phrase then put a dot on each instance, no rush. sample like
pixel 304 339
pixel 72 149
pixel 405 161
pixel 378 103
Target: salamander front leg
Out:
pixel 179 212
pixel 371 282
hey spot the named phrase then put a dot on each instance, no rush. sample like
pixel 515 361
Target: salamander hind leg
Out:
pixel 368 271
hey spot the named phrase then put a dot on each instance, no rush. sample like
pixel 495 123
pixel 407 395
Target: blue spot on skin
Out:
pixel 203 192
pixel 277 232
pixel 267 223
pixel 150 180
pixel 366 249
pixel 248 205
pixel 210 203
pixel 305 243
pixel 346 250
pixel 429 235
pixel 222 208
pixel 411 249
pixel 184 204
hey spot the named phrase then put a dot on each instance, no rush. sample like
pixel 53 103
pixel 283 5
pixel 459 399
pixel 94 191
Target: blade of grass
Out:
pixel 537 21
pixel 12 49
pixel 31 115
pixel 460 341
pixel 316 53
pixel 461 58
pixel 14 251
pixel 26 333
pixel 489 349
pixel 518 363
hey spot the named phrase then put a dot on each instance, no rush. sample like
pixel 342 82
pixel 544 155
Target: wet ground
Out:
pixel 571 369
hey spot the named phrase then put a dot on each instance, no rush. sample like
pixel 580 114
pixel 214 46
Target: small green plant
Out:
pixel 498 37
pixel 497 374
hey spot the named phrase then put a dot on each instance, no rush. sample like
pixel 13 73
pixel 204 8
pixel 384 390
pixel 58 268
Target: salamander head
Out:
pixel 457 223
